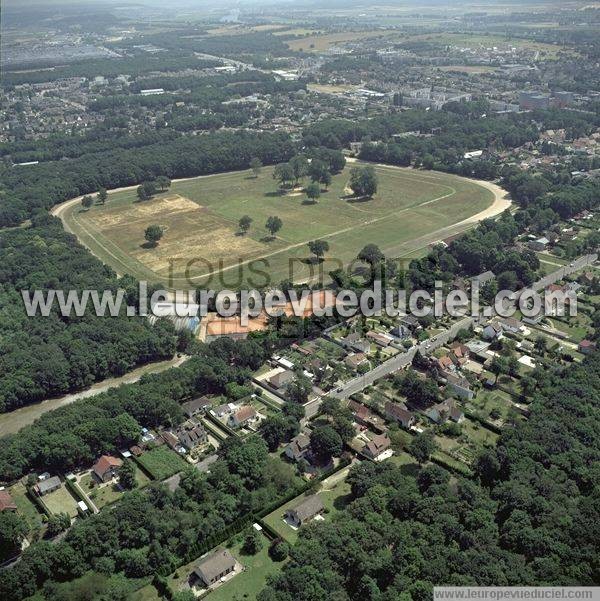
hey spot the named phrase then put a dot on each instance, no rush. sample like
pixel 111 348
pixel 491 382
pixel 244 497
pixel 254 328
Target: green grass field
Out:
pixel 199 216
pixel 162 462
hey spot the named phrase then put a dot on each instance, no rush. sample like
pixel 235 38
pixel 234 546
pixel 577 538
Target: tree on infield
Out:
pixel 153 234
pixel 87 201
pixel 256 166
pixel 363 181
pixel 244 223
pixel 273 225
pixel 318 248
pixel 313 191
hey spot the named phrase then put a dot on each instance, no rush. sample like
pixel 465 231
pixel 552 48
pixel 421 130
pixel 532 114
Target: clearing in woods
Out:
pixel 200 220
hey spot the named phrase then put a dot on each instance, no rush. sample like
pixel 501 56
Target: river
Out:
pixel 13 421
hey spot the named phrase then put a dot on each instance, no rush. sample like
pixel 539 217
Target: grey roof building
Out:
pixel 215 566
pixel 47 486
pixel 307 510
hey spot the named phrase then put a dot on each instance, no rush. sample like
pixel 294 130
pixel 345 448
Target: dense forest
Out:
pixel 47 356
pixel 532 518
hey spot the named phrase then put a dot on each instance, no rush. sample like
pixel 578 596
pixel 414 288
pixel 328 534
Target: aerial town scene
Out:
pixel 299 300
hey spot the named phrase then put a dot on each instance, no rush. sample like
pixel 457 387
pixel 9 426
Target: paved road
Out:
pixel 402 360
pixel 428 346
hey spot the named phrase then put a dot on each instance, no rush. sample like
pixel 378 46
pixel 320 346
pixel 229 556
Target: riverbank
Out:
pixel 13 421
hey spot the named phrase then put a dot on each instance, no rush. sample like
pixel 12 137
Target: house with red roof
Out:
pixel 105 469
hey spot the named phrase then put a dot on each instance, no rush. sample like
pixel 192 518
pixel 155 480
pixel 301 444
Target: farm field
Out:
pixel 467 40
pixel 199 216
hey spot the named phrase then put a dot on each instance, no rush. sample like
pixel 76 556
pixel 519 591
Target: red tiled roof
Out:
pixel 105 463
pixel 245 413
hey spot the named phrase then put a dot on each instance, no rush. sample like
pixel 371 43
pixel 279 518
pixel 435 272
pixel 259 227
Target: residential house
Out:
pixel 400 414
pixel 510 325
pixel 586 347
pixel 533 321
pixel 136 450
pixel 171 439
pixel 356 342
pixel 307 510
pixel 243 416
pixel 192 435
pixel 444 411
pixel 411 322
pixel 483 278
pixel 492 330
pixel 47 486
pixel 376 446
pixel 383 340
pixel 281 379
pixel 215 566
pixel 540 244
pixel 105 469
pixel 460 351
pixel 285 363
pixel 459 385
pixel 6 501
pixel 365 417
pixel 355 360
pixel 224 409
pixel 298 447
pixel 196 406
pixel 445 363
pixel 401 331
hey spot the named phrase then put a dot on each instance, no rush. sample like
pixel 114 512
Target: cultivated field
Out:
pixel 410 210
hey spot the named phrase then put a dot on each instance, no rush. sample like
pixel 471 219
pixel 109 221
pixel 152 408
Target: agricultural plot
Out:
pixel 322 42
pixel 469 444
pixel 493 405
pixel 199 218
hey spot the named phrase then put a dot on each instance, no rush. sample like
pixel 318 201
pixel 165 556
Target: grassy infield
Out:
pixel 201 224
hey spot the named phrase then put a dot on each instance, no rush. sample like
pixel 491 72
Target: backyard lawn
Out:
pixel 252 580
pixel 334 493
pixel 26 507
pixel 161 462
pixel 61 501
pixel 104 494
